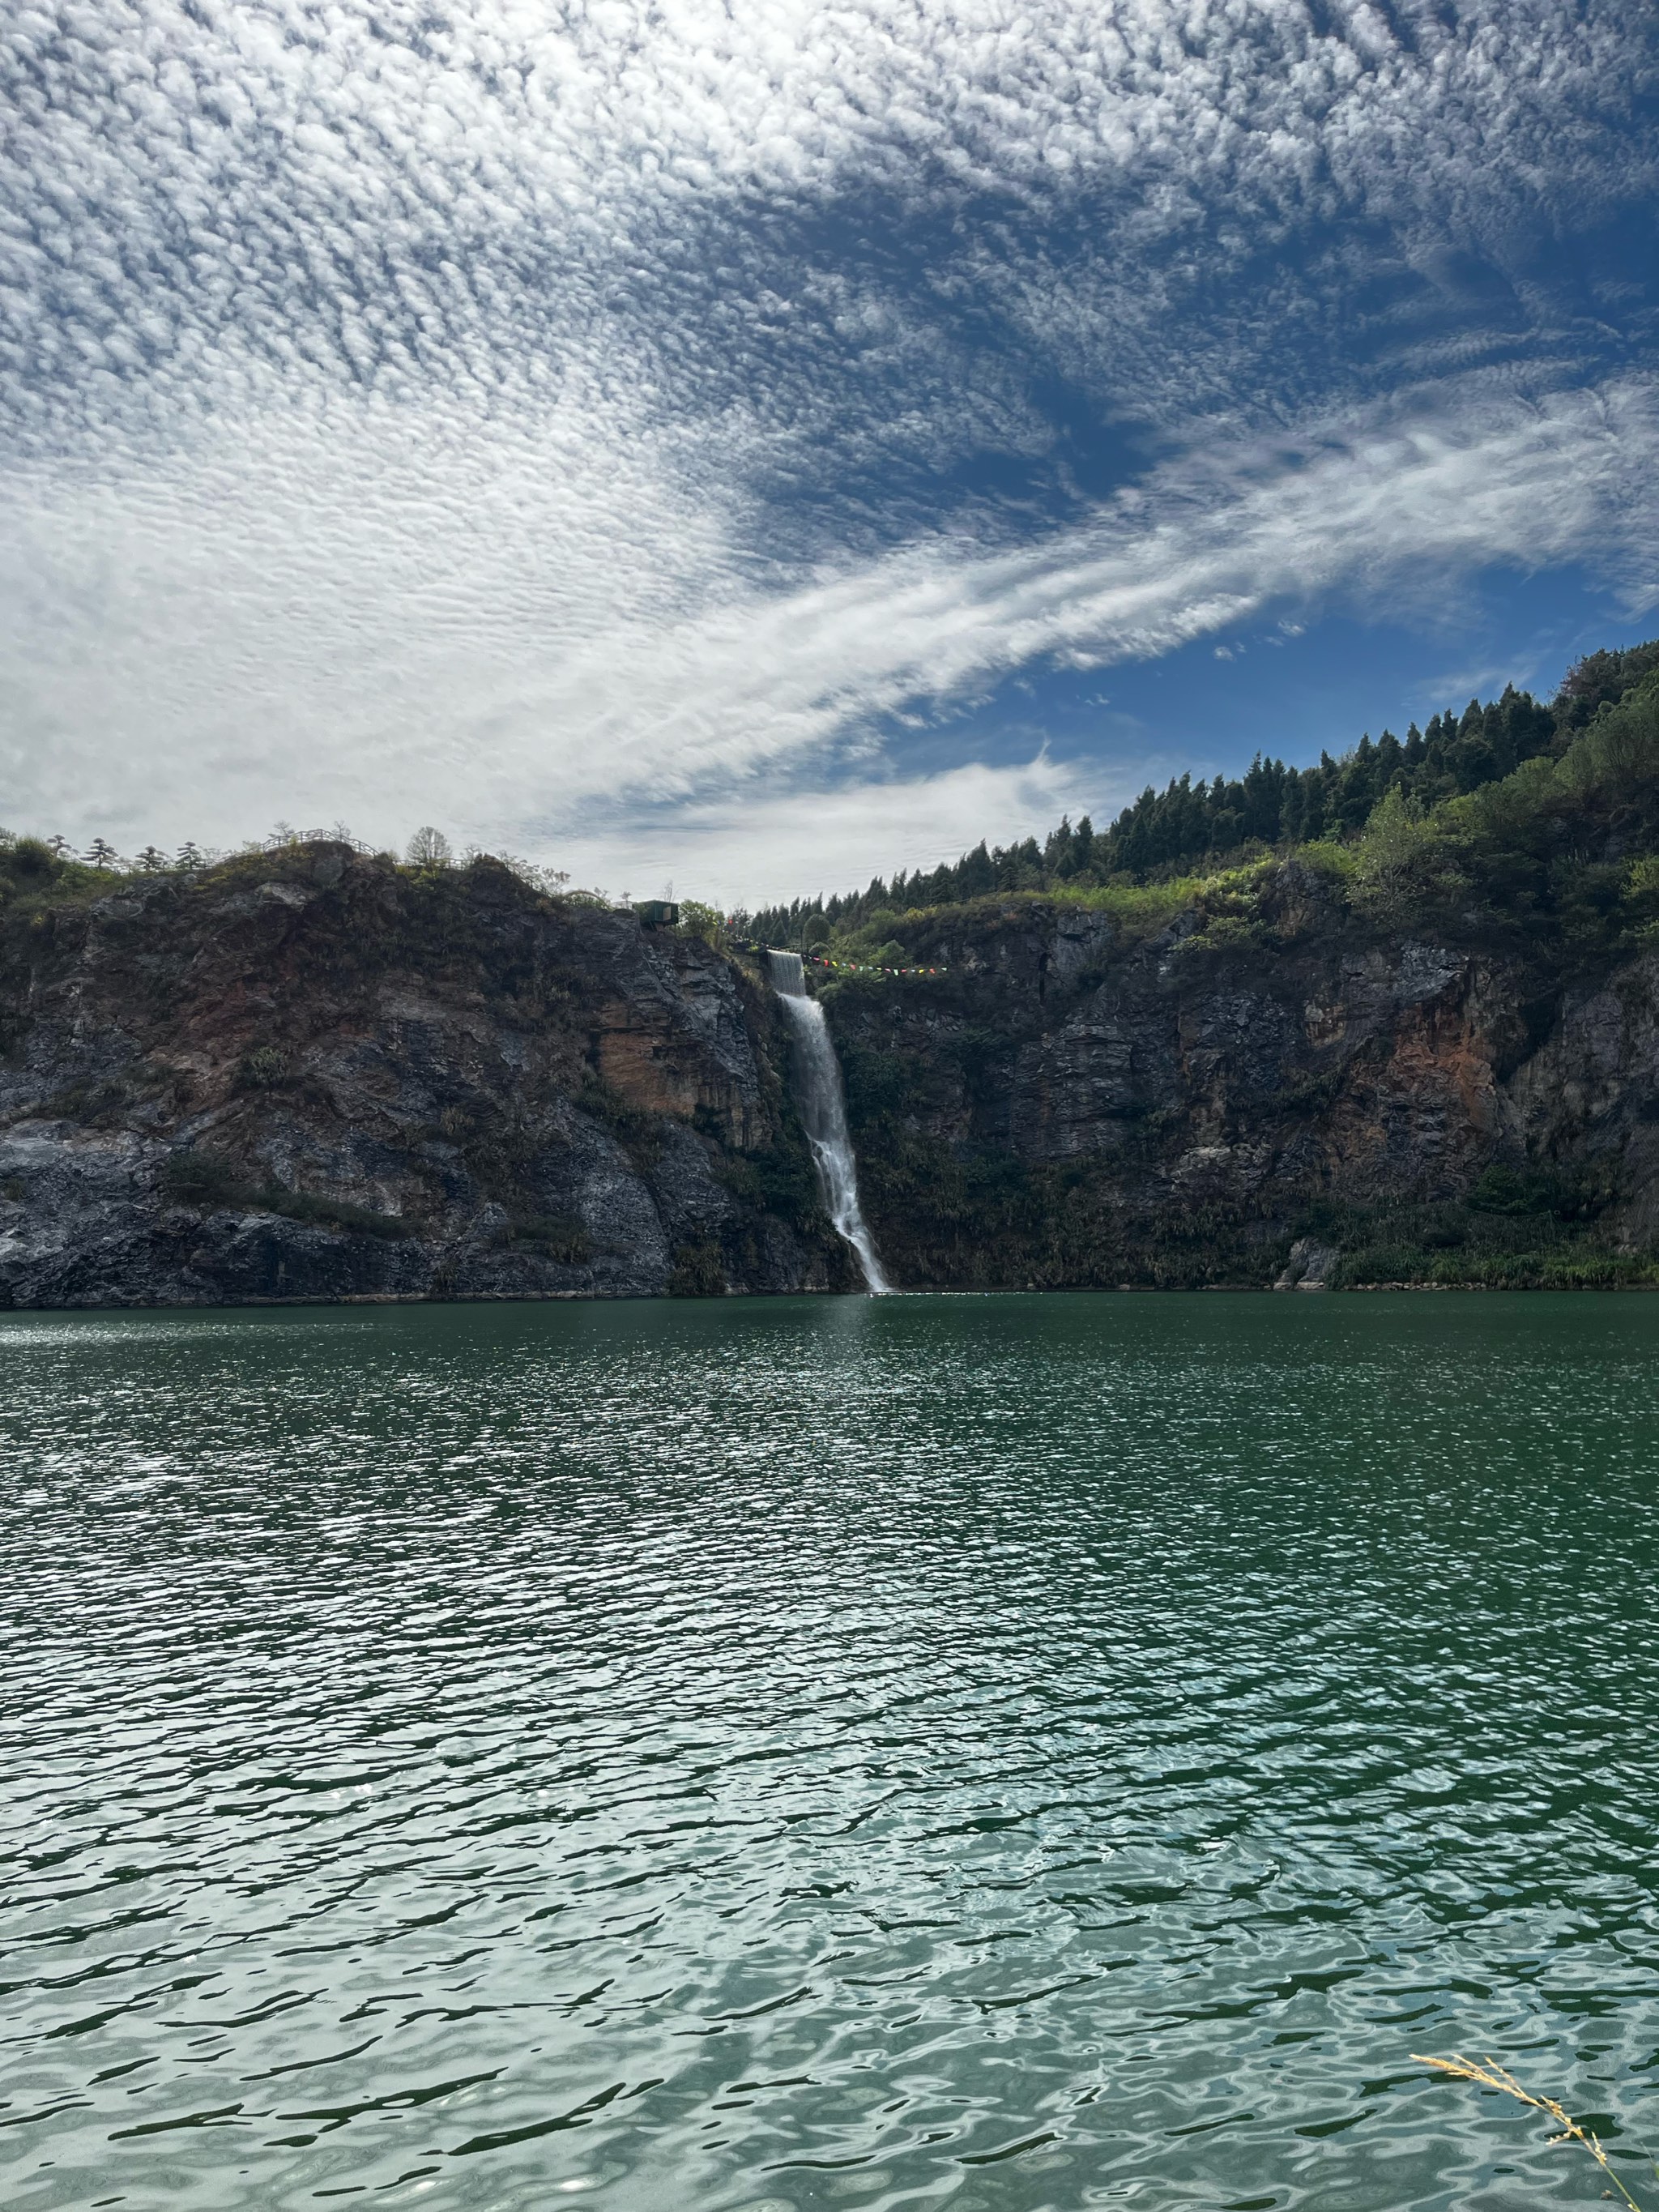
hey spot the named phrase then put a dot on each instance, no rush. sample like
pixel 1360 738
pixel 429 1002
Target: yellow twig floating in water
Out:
pixel 1492 2076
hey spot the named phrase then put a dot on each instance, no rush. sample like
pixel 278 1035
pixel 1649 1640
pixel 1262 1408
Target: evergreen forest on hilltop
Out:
pixel 1529 825
pixel 1190 830
pixel 1523 833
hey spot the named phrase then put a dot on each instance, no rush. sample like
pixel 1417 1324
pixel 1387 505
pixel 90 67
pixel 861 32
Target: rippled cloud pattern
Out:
pixel 536 416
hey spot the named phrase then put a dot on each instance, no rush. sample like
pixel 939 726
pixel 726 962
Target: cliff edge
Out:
pixel 1428 1054
pixel 1266 1090
pixel 312 1074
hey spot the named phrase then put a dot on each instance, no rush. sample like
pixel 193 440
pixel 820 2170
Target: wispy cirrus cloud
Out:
pixel 391 646
pixel 520 416
pixel 751 847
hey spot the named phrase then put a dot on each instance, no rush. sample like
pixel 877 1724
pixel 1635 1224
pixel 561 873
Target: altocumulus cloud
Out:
pixel 534 418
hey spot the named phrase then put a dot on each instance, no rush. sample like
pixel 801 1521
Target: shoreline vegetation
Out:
pixel 1490 2074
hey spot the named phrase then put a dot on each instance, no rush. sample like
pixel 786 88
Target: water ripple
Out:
pixel 1009 1753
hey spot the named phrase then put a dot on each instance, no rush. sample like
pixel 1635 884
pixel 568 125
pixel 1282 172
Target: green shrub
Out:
pixel 30 862
pixel 200 1178
pixel 635 1131
pixel 546 1237
pixel 209 1181
pixel 779 1181
pixel 1502 1190
pixel 330 1213
pixel 697 920
pixel 1577 1197
pixel 699 1270
pixel 265 1065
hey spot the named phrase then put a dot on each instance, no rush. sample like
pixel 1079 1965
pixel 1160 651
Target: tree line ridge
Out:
pixel 1188 824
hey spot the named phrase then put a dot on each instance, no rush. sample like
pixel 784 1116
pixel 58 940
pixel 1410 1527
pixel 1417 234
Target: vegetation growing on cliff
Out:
pixel 1558 859
pixel 989 1217
pixel 48 869
pixel 1176 839
pixel 1548 874
pixel 1518 843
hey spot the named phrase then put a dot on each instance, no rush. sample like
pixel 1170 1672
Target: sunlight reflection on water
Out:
pixel 1007 1753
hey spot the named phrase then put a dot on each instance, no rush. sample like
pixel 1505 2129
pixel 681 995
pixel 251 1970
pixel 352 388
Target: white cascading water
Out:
pixel 823 1112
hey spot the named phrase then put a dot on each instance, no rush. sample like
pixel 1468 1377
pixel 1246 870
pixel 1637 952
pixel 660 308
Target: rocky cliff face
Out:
pixel 316 1076
pixel 1067 1107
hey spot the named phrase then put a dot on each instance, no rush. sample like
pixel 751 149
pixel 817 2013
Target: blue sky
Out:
pixel 755 446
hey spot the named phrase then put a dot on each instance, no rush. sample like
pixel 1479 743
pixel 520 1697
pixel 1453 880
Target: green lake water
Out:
pixel 1000 1752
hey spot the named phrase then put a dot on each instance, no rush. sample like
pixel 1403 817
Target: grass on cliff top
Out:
pixel 32 871
pixel 1141 910
pixel 1226 906
pixel 1559 860
pixel 34 879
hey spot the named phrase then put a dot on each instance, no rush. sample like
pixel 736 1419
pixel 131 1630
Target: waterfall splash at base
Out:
pixel 823 1112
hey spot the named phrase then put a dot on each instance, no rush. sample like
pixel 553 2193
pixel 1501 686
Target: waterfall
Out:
pixel 824 1111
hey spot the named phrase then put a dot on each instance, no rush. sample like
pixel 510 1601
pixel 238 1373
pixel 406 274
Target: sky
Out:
pixel 750 448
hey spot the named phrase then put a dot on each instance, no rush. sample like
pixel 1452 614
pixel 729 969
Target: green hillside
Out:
pixel 1525 814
